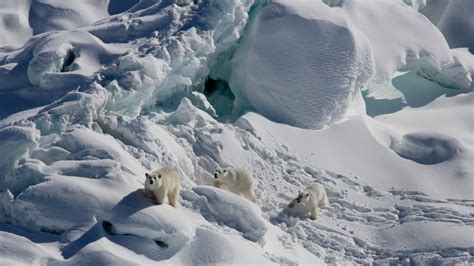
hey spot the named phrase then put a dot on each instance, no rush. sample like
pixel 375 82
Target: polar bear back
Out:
pixel 169 177
pixel 239 174
pixel 317 194
pixel 238 179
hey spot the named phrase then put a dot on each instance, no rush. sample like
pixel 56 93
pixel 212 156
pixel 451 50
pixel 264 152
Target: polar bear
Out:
pixel 161 183
pixel 236 180
pixel 309 201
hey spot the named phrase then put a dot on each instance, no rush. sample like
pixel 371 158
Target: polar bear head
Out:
pixel 153 180
pixel 220 172
pixel 302 198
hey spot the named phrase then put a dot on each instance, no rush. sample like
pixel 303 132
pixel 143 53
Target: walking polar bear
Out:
pixel 162 183
pixel 236 180
pixel 310 200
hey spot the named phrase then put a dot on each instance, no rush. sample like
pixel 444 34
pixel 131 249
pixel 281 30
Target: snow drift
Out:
pixel 307 83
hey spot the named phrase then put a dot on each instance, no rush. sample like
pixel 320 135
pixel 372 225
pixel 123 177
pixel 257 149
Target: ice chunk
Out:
pixel 187 113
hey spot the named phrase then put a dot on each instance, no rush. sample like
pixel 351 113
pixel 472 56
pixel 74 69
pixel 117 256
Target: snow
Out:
pixel 427 147
pixel 231 210
pixel 23 19
pixel 456 22
pixel 211 248
pixel 135 215
pixel 14 24
pixel 306 83
pixel 372 100
pixel 392 52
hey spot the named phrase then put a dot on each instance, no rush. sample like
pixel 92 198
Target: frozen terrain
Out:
pixel 373 99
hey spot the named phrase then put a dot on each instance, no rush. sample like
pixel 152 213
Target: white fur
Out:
pixel 310 200
pixel 161 183
pixel 236 180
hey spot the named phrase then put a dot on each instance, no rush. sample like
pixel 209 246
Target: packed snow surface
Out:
pixel 372 99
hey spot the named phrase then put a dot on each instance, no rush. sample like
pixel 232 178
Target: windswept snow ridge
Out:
pixel 95 94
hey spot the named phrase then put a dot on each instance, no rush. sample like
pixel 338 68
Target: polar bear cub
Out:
pixel 310 200
pixel 236 180
pixel 161 183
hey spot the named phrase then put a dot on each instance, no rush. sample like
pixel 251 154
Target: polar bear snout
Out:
pixel 220 172
pixel 151 179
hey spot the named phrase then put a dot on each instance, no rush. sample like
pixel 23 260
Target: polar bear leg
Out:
pixel 160 197
pixel 149 194
pixel 314 213
pixel 218 184
pixel 250 195
pixel 173 197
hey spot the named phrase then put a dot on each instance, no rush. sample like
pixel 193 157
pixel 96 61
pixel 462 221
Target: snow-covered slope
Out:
pixel 94 94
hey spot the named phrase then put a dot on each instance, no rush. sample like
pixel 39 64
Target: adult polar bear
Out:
pixel 310 200
pixel 236 180
pixel 161 183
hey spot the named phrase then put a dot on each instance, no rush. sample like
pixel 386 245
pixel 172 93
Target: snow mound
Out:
pixel 309 82
pixel 32 207
pixel 224 207
pixel 427 147
pixel 15 250
pixel 390 21
pixel 20 20
pixel 14 24
pixel 136 215
pixel 54 15
pixel 212 248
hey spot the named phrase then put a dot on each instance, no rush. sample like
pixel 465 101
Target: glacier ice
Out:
pixel 307 83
